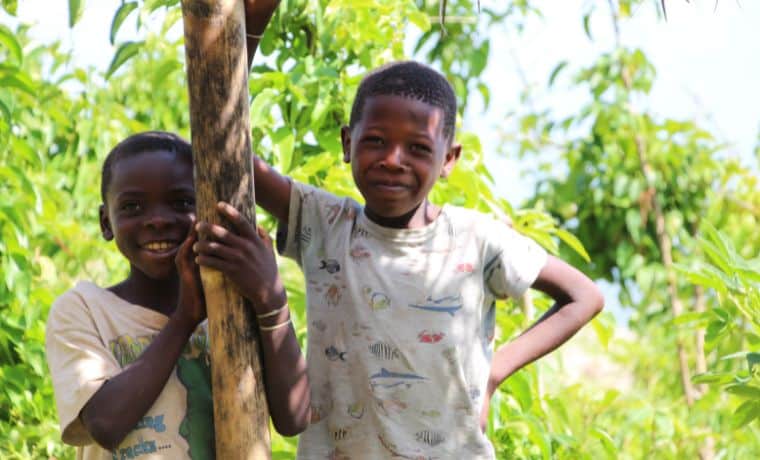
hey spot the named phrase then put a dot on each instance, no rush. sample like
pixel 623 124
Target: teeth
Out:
pixel 159 246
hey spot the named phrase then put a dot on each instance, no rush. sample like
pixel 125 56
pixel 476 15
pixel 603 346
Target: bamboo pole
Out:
pixel 217 74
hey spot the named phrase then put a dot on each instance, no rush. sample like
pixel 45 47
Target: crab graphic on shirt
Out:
pixel 426 336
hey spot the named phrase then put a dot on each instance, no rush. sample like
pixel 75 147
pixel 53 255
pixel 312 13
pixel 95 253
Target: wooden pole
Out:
pixel 217 74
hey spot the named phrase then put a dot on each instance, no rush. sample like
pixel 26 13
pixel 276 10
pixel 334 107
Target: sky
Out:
pixel 706 60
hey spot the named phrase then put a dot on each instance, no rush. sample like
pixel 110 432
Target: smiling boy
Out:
pixel 130 363
pixel 401 292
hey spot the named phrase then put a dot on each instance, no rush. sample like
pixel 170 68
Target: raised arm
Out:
pixel 114 410
pixel 272 188
pixel 258 13
pixel 577 301
pixel 246 257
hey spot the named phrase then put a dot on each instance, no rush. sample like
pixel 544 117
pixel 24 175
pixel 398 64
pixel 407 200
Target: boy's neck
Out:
pixel 158 295
pixel 421 216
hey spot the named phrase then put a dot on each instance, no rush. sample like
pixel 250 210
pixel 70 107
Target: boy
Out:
pixel 130 363
pixel 401 292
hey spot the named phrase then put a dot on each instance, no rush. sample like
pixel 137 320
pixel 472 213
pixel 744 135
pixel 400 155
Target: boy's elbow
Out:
pixel 595 301
pixel 295 423
pixel 104 434
pixel 292 427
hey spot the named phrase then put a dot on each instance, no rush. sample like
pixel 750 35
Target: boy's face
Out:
pixel 150 206
pixel 397 152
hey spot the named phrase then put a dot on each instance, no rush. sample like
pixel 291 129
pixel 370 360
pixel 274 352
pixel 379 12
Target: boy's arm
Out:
pixel 114 410
pixel 272 188
pixel 577 301
pixel 246 257
pixel 257 16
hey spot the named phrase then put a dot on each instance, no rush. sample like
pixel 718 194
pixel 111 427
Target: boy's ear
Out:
pixel 105 224
pixel 345 141
pixel 452 156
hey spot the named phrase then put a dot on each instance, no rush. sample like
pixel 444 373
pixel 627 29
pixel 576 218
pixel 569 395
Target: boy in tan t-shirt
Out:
pixel 130 363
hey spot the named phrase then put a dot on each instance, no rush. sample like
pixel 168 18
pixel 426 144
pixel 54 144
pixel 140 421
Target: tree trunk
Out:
pixel 217 73
pixel 666 252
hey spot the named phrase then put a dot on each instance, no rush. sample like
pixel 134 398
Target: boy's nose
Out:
pixel 393 157
pixel 158 218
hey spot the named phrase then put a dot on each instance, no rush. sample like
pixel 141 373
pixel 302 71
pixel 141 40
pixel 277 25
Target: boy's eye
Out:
pixel 185 204
pixel 130 207
pixel 373 140
pixel 422 148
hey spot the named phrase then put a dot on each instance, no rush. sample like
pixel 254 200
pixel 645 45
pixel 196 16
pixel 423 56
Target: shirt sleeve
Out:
pixel 513 261
pixel 79 363
pixel 313 213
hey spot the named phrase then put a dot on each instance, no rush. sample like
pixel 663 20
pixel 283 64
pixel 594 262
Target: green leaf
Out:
pixel 693 318
pixel 5 111
pixel 125 52
pixel 420 19
pixel 604 330
pixel 606 440
pixel 746 413
pixel 153 5
pixel 284 141
pixel 8 39
pixel 556 72
pixel 119 17
pixel 574 243
pixel 519 387
pixel 753 359
pixel 713 377
pixel 10 6
pixel 586 27
pixel 76 7
pixel 261 107
pixel 18 80
pixel 747 391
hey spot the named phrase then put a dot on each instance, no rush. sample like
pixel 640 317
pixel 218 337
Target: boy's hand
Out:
pixel 245 256
pixel 192 304
pixel 490 389
pixel 258 13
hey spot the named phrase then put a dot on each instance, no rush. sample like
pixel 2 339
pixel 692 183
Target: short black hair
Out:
pixel 148 141
pixel 408 79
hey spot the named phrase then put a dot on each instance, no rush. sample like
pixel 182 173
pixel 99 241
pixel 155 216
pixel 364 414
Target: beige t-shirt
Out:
pixel 401 326
pixel 92 335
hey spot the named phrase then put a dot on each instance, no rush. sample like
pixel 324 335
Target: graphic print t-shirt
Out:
pixel 92 335
pixel 401 326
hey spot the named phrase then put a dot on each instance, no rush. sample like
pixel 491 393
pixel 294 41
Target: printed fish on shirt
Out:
pixel 388 379
pixel 448 304
pixel 333 354
pixel 330 265
pixel 384 351
pixel 431 438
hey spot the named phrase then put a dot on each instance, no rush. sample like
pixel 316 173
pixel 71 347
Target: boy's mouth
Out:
pixel 160 246
pixel 390 185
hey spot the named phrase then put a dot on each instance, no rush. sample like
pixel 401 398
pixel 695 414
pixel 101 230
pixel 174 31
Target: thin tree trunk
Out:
pixel 701 364
pixel 707 450
pixel 217 73
pixel 666 252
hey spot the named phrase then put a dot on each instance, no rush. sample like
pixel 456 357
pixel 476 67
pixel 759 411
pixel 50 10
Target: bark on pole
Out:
pixel 217 74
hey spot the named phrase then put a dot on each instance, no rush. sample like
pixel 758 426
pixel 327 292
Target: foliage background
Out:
pixel 655 206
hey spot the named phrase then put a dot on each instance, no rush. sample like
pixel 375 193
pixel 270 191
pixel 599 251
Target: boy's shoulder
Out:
pixel 82 292
pixel 478 221
pixel 85 300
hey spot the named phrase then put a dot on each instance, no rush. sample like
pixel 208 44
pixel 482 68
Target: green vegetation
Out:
pixel 654 206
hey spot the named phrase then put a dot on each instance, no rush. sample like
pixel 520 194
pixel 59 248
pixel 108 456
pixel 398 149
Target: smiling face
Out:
pixel 148 210
pixel 397 152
